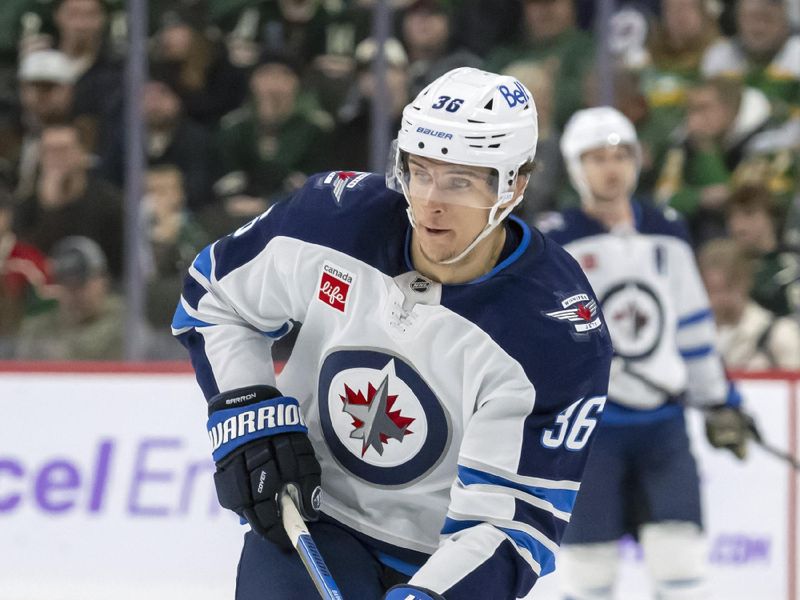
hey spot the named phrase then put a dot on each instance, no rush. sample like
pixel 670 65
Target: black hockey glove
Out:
pixel 260 445
pixel 729 427
pixel 409 592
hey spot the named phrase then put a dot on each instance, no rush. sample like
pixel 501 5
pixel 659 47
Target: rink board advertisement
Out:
pixel 106 492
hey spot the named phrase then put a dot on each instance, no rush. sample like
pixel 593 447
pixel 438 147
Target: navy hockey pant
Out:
pixel 635 474
pixel 268 573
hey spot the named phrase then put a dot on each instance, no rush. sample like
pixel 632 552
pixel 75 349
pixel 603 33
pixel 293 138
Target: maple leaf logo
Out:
pixel 374 421
pixel 584 312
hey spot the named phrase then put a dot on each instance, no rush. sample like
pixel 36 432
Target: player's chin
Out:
pixel 438 252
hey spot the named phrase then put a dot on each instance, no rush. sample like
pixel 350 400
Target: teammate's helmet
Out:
pixel 595 128
pixel 470 117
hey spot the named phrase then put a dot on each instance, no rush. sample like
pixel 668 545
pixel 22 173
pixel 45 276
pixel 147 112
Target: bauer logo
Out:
pixel 334 286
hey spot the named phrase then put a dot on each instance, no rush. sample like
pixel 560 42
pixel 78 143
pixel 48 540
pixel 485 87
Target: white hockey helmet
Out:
pixel 595 128
pixel 475 118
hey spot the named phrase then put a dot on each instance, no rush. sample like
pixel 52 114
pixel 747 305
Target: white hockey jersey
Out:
pixel 452 422
pixel 656 309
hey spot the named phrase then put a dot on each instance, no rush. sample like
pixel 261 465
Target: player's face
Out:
pixel 450 204
pixel 610 172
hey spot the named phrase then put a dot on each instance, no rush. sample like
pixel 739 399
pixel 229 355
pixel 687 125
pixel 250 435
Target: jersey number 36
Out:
pixel 573 432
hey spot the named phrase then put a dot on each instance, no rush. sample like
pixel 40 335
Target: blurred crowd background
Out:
pixel 243 99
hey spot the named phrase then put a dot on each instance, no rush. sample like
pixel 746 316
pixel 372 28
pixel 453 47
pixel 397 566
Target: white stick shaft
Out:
pixel 307 550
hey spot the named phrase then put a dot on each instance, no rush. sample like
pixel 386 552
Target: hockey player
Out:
pixel 642 268
pixel 447 378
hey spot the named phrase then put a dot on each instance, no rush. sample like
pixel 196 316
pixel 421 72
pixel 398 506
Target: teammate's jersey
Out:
pixel 656 308
pixel 452 422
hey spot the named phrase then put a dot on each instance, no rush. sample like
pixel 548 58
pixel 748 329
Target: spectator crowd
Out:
pixel 246 98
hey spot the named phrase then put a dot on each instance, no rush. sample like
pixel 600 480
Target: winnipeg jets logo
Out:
pixel 580 310
pixel 380 419
pixel 342 181
pixel 374 421
pixel 635 319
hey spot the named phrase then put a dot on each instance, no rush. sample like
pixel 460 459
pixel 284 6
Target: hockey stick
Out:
pixel 306 548
pixel 755 435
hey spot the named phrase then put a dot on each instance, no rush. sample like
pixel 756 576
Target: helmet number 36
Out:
pixel 574 432
pixel 448 103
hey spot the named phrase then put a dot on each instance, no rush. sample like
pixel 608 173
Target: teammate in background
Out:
pixel 641 265
pixel 449 372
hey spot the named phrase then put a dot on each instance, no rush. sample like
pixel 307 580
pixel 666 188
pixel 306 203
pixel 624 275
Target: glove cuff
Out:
pixel 241 416
pixel 406 592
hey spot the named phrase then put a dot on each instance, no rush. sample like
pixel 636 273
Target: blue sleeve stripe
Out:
pixel 541 554
pixel 563 500
pixel 182 319
pixel 203 262
pixel 695 317
pixel 696 352
pixel 455 525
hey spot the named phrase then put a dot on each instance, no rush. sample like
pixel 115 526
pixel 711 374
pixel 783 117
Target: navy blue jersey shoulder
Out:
pixel 655 221
pixel 366 221
pixel 512 308
pixel 574 224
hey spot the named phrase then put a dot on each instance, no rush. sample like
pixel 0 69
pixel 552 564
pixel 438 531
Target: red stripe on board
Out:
pixel 134 368
pixel 793 532
pixel 86 367
pixel 776 374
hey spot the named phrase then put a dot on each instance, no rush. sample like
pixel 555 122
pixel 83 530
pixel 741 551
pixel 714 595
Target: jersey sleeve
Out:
pixel 519 471
pixel 238 297
pixel 696 332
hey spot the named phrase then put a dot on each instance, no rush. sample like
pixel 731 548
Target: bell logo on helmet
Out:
pixel 517 96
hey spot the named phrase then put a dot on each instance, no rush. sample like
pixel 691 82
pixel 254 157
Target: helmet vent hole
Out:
pixel 493 146
pixel 420 145
pixel 444 150
pixel 526 107
pixel 474 121
pixel 489 104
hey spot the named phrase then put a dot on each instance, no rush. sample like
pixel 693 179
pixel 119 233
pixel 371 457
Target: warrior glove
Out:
pixel 260 446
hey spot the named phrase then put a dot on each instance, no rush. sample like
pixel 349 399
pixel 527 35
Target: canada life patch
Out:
pixel 334 286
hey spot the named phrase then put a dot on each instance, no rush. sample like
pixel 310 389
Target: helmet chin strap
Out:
pixel 491 224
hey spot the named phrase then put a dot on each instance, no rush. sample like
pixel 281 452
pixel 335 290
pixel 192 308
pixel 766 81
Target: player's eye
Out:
pixel 421 176
pixel 458 183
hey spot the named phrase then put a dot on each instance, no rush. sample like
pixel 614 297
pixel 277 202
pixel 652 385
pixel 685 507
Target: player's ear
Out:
pixel 523 178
